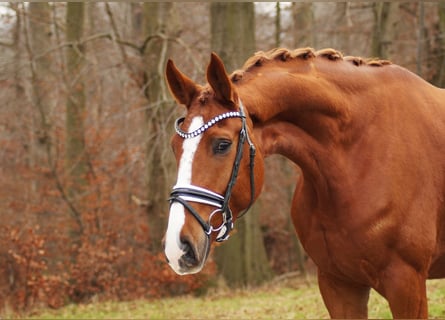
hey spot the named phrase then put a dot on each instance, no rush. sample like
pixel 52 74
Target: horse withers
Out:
pixel 369 138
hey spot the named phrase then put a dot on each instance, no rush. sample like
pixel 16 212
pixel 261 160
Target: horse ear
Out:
pixel 182 87
pixel 219 80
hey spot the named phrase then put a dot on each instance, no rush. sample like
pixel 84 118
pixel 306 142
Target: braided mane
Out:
pixel 282 54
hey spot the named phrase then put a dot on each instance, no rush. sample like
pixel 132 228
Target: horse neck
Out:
pixel 303 117
pixel 313 105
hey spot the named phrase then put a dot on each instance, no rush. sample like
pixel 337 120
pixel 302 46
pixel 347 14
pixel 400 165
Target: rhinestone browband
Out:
pixel 203 128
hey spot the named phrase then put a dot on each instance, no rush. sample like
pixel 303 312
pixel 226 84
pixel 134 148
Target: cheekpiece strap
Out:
pixel 203 128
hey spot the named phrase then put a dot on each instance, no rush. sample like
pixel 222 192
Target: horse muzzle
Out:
pixel 186 252
pixel 194 256
pixel 191 258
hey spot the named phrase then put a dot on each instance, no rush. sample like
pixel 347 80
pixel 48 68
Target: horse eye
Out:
pixel 221 146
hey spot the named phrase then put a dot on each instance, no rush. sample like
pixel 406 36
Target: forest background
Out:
pixel 85 124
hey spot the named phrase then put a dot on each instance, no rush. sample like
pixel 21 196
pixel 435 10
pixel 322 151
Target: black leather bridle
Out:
pixel 191 193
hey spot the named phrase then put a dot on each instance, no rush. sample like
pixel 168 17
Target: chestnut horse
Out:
pixel 369 138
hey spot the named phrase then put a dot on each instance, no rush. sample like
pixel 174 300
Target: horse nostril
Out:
pixel 189 257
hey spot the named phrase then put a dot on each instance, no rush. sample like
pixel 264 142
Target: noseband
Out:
pixel 191 193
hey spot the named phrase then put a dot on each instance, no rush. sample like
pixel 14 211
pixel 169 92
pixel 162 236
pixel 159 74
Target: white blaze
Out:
pixel 176 219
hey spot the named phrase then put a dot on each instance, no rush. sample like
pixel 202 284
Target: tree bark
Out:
pixel 385 29
pixel 303 24
pixel 277 24
pixel 340 38
pixel 232 32
pixel 440 77
pixel 159 122
pixel 242 259
pixel 38 39
pixel 76 161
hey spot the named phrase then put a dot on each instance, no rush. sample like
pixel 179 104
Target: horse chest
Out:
pixel 346 250
pixel 342 254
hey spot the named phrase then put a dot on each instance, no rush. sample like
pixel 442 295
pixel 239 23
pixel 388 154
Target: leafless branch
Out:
pixel 140 202
pixel 7 44
pixel 115 35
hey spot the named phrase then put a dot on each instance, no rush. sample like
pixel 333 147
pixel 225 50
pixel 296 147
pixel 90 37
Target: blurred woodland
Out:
pixel 85 124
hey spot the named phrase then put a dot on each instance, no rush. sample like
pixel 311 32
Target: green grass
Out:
pixel 296 299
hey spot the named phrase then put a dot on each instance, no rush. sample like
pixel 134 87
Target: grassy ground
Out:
pixel 296 299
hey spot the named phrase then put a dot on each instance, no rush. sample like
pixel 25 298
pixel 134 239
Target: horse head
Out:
pixel 220 172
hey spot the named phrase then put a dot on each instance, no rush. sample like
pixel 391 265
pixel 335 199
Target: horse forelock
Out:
pixel 204 95
pixel 262 58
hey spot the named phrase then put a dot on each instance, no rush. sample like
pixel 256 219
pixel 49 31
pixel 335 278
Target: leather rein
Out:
pixel 191 193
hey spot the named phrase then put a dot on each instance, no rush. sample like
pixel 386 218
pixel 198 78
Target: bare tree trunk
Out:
pixel 340 38
pixel 38 40
pixel 420 38
pixel 242 260
pixel 439 80
pixel 232 32
pixel 303 24
pixel 76 161
pixel 159 120
pixel 385 29
pixel 277 24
